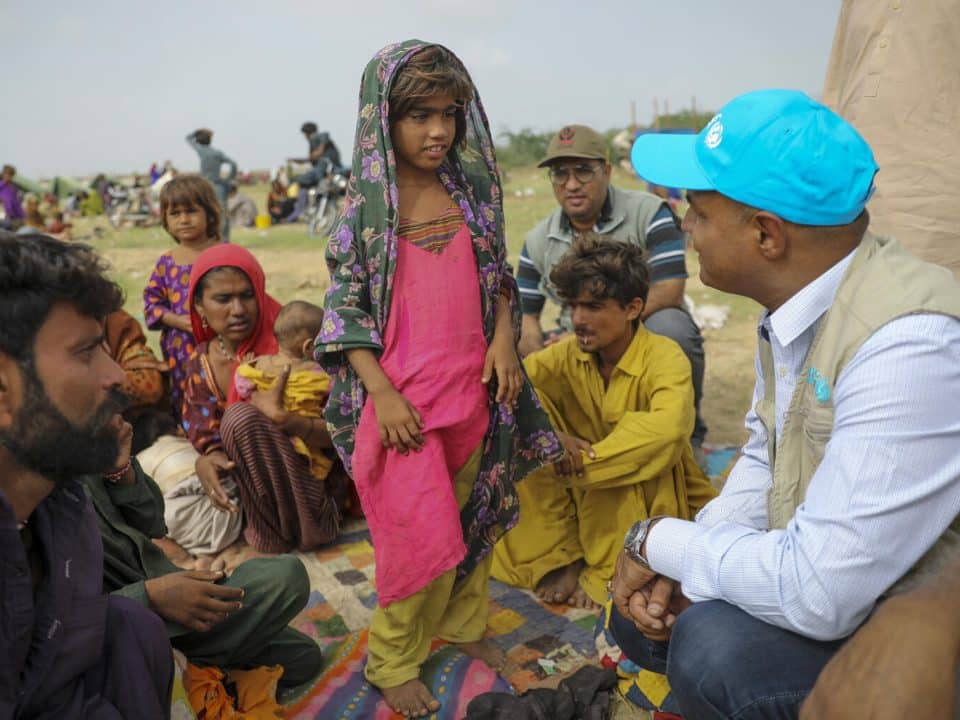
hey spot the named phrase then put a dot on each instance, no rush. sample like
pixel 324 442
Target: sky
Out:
pixel 115 85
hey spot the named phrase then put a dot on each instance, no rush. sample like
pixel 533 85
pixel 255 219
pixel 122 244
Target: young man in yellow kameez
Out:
pixel 621 399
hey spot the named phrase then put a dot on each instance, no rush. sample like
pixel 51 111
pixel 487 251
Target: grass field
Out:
pixel 294 266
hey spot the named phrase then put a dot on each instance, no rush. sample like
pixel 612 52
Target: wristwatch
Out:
pixel 635 537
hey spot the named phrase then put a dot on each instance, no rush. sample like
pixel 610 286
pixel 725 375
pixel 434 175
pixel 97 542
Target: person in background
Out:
pixel 322 151
pixel 101 186
pixel 580 173
pixel 58 228
pixel 323 155
pixel 279 203
pixel 190 214
pixel 211 167
pixel 33 219
pixel 10 198
pixel 240 207
pixel 143 382
pixel 89 203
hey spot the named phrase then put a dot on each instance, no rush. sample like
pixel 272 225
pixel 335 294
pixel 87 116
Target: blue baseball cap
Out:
pixel 776 150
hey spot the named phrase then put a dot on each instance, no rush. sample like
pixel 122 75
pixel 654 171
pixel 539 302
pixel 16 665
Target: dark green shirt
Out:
pixel 128 517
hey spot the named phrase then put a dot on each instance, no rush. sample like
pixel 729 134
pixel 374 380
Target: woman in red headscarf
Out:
pixel 242 449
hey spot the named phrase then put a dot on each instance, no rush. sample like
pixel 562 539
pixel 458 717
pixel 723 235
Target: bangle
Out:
pixel 117 475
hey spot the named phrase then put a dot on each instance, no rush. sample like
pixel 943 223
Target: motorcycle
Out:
pixel 323 202
pixel 128 207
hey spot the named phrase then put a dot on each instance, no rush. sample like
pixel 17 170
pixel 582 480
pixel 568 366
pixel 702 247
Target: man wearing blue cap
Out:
pixel 848 488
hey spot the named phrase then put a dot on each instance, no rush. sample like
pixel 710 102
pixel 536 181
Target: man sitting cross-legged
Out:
pixel 621 400
pixel 239 621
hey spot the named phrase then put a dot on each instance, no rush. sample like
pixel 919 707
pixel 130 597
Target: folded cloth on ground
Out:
pixel 243 695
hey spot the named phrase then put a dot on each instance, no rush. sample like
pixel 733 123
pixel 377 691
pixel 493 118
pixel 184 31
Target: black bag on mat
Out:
pixel 585 695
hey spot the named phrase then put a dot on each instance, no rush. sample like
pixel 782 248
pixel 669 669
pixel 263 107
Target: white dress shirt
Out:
pixel 887 488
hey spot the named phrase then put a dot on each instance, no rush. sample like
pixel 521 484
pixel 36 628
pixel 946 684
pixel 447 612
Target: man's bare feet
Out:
pixel 558 585
pixel 233 555
pixel 412 699
pixel 175 553
pixel 579 599
pixel 485 651
pixel 204 562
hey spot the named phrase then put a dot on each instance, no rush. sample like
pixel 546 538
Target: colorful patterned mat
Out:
pixel 540 640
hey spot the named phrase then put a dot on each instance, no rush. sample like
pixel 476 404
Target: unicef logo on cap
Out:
pixel 714 134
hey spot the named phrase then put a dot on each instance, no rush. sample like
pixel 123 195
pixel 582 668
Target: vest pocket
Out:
pixel 817 429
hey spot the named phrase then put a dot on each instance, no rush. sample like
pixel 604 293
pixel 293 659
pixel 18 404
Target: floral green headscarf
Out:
pixel 362 257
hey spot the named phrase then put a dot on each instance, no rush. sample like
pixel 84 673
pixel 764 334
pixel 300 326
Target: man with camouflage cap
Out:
pixel 580 174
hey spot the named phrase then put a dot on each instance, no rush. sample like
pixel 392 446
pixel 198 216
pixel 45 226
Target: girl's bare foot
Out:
pixel 558 585
pixel 411 699
pixel 485 651
pixel 579 599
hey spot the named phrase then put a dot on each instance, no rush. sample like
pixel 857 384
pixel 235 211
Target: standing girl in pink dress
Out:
pixel 190 212
pixel 429 409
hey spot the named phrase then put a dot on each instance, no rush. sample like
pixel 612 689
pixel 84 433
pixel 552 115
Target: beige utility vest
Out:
pixel 883 282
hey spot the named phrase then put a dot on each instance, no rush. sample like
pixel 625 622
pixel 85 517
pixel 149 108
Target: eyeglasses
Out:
pixel 583 173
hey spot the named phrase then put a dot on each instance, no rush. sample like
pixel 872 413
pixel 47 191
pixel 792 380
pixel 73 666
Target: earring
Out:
pixel 203 323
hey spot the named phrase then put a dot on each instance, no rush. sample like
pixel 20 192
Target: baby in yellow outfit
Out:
pixel 296 326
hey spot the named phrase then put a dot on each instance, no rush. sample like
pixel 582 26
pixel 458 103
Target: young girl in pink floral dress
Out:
pixel 429 409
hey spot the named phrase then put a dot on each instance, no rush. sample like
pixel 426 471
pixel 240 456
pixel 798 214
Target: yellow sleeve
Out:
pixel 306 392
pixel 545 370
pixel 645 444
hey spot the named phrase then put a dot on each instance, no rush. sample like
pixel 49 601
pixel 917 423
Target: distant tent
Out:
pixel 64 187
pixel 28 186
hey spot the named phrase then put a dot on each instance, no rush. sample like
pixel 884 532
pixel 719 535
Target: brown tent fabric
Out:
pixel 894 72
